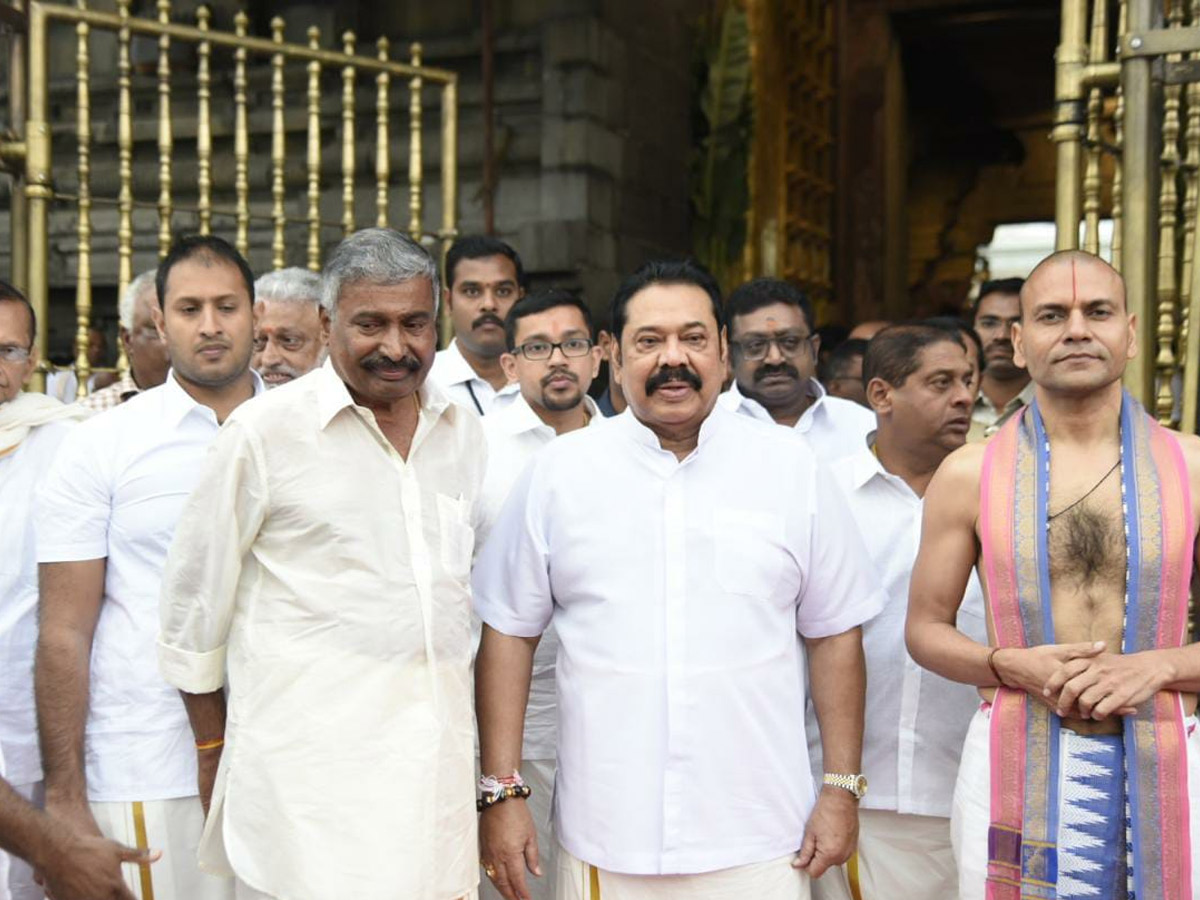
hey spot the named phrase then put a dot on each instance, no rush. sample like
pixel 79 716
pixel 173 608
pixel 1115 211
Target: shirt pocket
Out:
pixel 457 537
pixel 749 551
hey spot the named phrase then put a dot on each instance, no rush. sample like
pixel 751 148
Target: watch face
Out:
pixel 860 785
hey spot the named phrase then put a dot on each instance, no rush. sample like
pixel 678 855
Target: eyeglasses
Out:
pixel 12 354
pixel 537 351
pixel 789 345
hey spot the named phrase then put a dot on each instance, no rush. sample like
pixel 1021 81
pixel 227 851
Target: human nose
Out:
pixel 1077 325
pixel 487 300
pixel 210 322
pixel 672 352
pixel 392 344
pixel 774 353
pixel 270 353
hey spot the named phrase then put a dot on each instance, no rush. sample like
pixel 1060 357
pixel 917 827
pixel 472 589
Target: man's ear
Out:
pixel 156 313
pixel 879 395
pixel 326 324
pixel 508 362
pixel 615 365
pixel 1018 342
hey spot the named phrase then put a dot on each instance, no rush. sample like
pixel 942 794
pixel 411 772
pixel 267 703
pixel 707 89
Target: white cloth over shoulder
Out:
pixel 834 427
pixel 677 589
pixel 454 375
pixel 335 594
pixel 115 492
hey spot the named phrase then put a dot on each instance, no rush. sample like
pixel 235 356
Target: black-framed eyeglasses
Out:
pixel 11 353
pixel 789 345
pixel 538 351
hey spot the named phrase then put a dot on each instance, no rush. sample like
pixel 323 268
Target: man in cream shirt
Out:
pixel 919 382
pixel 116 747
pixel 552 356
pixel 333 603
pixel 678 576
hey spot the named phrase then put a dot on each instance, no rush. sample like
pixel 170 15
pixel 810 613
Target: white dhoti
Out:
pixel 21 885
pixel 174 827
pixel 898 856
pixel 775 879
pixel 539 775
pixel 971 814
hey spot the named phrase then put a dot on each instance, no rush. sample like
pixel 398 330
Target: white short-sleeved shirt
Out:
pixel 20 473
pixel 336 595
pixel 834 427
pixel 916 721
pixel 677 589
pixel 515 434
pixel 115 491
pixel 454 375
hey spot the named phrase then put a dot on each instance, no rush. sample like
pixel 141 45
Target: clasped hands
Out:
pixel 1084 680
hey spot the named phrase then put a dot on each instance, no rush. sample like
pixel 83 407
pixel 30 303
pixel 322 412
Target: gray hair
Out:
pixel 294 285
pixel 376 256
pixel 129 299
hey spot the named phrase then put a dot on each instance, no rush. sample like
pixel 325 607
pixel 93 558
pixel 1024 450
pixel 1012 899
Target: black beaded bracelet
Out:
pixel 507 792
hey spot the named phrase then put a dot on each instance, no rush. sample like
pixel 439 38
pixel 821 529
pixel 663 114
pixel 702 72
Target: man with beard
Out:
pixel 116 746
pixel 1005 386
pixel 144 347
pixel 774 355
pixel 290 332
pixel 1080 773
pixel 919 384
pixel 681 749
pixel 552 357
pixel 335 595
pixel 484 279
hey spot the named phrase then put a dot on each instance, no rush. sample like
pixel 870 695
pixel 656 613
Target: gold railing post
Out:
pixel 1140 189
pixel 18 232
pixel 314 153
pixel 38 185
pixel 414 148
pixel 124 155
pixel 241 140
pixel 1070 56
pixel 165 138
pixel 278 151
pixel 1188 334
pixel 449 188
pixel 83 274
pixel 348 137
pixel 1119 154
pixel 203 124
pixel 1168 209
pixel 1097 52
pixel 382 145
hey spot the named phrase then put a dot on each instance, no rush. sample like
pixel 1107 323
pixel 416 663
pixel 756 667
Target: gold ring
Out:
pixel 489 871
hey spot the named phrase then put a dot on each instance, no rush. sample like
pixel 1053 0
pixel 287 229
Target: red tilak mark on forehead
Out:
pixel 1074 291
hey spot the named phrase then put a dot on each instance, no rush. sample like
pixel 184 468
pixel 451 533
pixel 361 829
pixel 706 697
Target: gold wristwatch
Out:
pixel 855 784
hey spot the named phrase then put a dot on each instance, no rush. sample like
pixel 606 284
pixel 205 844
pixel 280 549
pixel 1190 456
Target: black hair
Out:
pixel 895 352
pixel 754 295
pixel 478 246
pixel 835 365
pixel 997 286
pixel 193 245
pixel 685 271
pixel 532 304
pixel 961 329
pixel 9 294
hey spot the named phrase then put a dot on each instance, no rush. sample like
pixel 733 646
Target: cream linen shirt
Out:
pixel 334 591
pixel 515 434
pixel 454 375
pixel 834 427
pixel 916 721
pixel 21 470
pixel 115 492
pixel 677 589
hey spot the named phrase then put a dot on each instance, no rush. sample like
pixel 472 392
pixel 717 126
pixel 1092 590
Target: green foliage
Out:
pixel 720 163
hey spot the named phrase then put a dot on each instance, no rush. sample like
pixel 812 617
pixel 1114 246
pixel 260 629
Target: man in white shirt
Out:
pixel 117 749
pixel 774 354
pixel 919 382
pixel 484 278
pixel 31 427
pixel 144 347
pixel 1005 387
pixel 551 355
pixel 290 332
pixel 336 596
pixel 681 750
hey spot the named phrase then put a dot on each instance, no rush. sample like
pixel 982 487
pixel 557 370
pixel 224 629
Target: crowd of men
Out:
pixel 303 608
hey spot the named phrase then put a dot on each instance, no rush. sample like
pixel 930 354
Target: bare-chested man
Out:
pixel 1080 516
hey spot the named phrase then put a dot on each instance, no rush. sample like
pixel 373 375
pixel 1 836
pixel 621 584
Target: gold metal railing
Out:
pixel 28 152
pixel 1129 102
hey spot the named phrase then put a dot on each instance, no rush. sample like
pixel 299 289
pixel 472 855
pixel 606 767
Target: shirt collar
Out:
pixel 454 368
pixel 865 466
pixel 333 396
pixel 1022 399
pixel 642 434
pixel 738 400
pixel 518 417
pixel 178 403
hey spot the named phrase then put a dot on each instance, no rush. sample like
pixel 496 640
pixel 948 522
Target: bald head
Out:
pixel 1072 272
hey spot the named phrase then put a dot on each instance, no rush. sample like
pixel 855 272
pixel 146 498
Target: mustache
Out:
pixel 781 369
pixel 488 319
pixel 376 361
pixel 559 373
pixel 280 368
pixel 669 374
